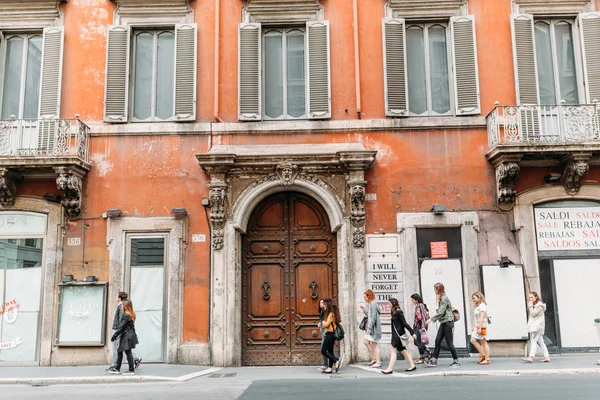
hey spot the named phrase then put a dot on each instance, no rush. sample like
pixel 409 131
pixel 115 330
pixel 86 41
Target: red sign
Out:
pixel 439 249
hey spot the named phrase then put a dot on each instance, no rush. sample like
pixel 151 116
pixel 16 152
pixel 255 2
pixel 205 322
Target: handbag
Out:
pixel 339 333
pixel 455 314
pixel 424 337
pixel 363 324
pixel 404 338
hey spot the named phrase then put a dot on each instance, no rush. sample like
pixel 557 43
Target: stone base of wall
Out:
pixel 513 348
pixel 194 354
pixel 71 356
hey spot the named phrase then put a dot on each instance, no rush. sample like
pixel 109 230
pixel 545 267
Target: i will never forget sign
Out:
pixel 384 278
pixel 568 228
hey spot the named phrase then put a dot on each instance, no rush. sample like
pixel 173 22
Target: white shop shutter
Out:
pixel 51 76
pixel 317 61
pixel 116 89
pixel 394 67
pixel 185 72
pixel 524 59
pixel 589 25
pixel 466 77
pixel 249 69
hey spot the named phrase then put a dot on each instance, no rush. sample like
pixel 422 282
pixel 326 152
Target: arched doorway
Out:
pixel 289 263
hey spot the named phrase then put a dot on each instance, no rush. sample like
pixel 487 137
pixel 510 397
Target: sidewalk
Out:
pixel 41 376
pixel 501 366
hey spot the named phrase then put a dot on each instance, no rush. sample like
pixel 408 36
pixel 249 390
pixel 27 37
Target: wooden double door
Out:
pixel 289 264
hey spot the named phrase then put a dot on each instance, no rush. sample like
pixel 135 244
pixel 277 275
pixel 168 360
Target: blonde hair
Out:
pixel 480 296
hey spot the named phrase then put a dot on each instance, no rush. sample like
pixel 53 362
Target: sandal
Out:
pixel 484 362
pixel 528 359
pixel 545 360
pixel 481 359
pixel 420 361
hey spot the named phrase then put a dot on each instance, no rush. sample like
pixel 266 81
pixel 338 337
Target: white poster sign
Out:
pixel 568 228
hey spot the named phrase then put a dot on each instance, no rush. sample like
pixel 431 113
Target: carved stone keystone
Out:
pixel 287 173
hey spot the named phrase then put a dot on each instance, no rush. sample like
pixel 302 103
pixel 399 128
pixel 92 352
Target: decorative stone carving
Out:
pixel 552 6
pixel 155 11
pixel 426 8
pixel 30 14
pixel 312 178
pixel 506 174
pixel 357 214
pixel 70 181
pixel 287 173
pixel 574 170
pixel 282 11
pixel 8 189
pixel 266 178
pixel 217 216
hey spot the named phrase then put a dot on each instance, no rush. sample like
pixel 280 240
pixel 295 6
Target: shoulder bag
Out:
pixel 363 324
pixel 339 333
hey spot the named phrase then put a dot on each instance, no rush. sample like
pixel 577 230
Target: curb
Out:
pixel 104 379
pixel 527 372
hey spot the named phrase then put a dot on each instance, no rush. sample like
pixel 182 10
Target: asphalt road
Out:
pixel 559 387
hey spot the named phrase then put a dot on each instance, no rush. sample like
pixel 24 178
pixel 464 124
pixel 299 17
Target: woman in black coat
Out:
pixel 399 325
pixel 128 340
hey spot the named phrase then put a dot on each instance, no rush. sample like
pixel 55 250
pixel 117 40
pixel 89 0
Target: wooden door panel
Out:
pixel 289 264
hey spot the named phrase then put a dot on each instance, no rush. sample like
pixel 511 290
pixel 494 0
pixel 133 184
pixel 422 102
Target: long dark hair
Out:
pixel 128 309
pixel 419 299
pixel 395 306
pixel 332 308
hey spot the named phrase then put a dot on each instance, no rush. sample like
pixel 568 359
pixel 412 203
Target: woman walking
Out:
pixel 480 330
pixel 373 329
pixel 332 318
pixel 536 325
pixel 420 326
pixel 399 325
pixel 128 339
pixel 444 315
pixel 321 317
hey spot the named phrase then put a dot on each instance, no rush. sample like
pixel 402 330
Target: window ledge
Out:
pixel 283 11
pixel 287 127
pixel 26 14
pixel 552 6
pixel 426 8
pixel 134 12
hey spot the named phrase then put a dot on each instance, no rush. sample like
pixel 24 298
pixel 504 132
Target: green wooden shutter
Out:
pixel 394 67
pixel 116 89
pixel 524 59
pixel 249 70
pixel 51 74
pixel 185 72
pixel 317 61
pixel 464 54
pixel 589 24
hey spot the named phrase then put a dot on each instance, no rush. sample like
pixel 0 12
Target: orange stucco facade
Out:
pixel 147 171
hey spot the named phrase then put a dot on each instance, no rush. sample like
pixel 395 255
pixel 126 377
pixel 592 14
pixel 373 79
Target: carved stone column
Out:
pixel 506 175
pixel 8 189
pixel 575 167
pixel 357 213
pixel 70 181
pixel 217 215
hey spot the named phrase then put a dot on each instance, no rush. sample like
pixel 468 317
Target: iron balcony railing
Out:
pixel 544 124
pixel 65 137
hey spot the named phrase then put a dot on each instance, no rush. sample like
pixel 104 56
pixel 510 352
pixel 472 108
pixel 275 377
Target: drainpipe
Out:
pixel 356 61
pixel 216 72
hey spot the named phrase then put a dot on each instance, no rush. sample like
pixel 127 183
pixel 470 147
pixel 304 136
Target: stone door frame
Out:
pixel 240 178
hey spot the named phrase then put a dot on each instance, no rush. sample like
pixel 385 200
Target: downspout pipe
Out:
pixel 356 60
pixel 216 72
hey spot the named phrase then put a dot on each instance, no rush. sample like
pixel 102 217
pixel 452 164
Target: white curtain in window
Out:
pixel 417 80
pixel 11 92
pixel 164 75
pixel 438 65
pixel 565 57
pixel 144 56
pixel 296 84
pixel 32 77
pixel 273 75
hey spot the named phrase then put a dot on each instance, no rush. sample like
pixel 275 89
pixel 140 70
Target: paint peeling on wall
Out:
pixel 101 164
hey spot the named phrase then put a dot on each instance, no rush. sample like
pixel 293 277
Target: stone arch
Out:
pixel 250 199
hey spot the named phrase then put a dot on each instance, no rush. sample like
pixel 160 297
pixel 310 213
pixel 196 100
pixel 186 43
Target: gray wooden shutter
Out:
pixel 185 72
pixel 394 67
pixel 524 59
pixel 50 85
pixel 589 24
pixel 116 89
pixel 464 54
pixel 317 61
pixel 249 69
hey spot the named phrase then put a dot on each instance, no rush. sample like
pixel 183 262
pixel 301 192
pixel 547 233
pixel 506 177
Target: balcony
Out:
pixel 566 136
pixel 41 149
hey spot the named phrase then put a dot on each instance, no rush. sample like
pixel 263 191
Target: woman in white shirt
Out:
pixel 479 334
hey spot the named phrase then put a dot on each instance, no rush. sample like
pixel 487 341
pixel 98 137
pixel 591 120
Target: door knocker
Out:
pixel 313 287
pixel 266 289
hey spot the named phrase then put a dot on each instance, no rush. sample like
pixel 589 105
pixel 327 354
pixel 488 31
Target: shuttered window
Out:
pixel 590 40
pixel 284 72
pixel 151 74
pixel 22 75
pixel 430 69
